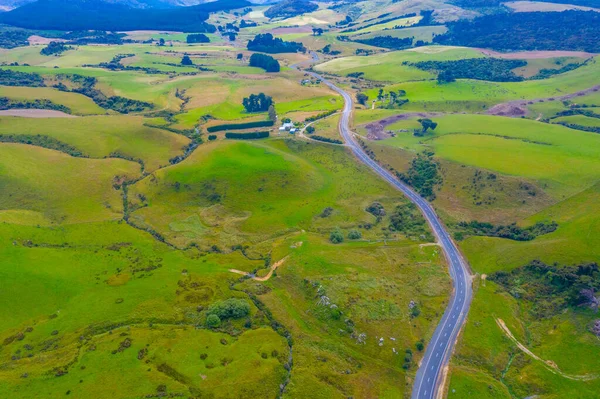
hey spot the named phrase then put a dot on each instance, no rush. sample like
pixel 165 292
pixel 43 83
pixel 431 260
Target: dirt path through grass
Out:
pixel 518 108
pixel 376 130
pixel 549 364
pixel 274 267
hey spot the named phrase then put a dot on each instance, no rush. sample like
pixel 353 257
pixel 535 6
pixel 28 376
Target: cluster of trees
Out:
pixel 391 42
pixel 379 22
pixel 327 50
pixel 55 48
pixel 423 175
pixel 392 99
pixel 42 141
pixel 567 30
pixel 546 72
pixel 317 31
pixel 197 38
pixel 15 78
pixel 247 136
pixel 14 38
pixel 265 62
pixel 257 102
pixel 362 98
pixel 511 231
pixel 232 308
pixel 247 24
pixel 491 69
pixel 240 126
pixel 7 103
pixel 290 8
pixel 266 43
pixel 550 289
pixel 407 220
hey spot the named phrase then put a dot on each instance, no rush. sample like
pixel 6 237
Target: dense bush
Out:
pixel 422 175
pixel 336 236
pixel 213 321
pixel 266 43
pixel 568 30
pixel 15 78
pixel 320 116
pixel 290 8
pixel 491 69
pixel 265 62
pixel 257 102
pixel 239 126
pixel 511 231
pixel 14 38
pixel 327 139
pixel 232 308
pixel 407 220
pixel 55 48
pixel 354 235
pixel 247 136
pixel 197 38
pixel 393 43
pixel 376 209
pixel 550 289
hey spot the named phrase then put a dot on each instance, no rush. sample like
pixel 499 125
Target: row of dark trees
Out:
pixel 266 43
pixel 265 62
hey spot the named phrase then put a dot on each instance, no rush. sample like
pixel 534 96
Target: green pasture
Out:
pixel 424 33
pixel 581 120
pixel 77 103
pixel 101 136
pixel 388 66
pixel 61 188
pixel 478 95
pixel 563 161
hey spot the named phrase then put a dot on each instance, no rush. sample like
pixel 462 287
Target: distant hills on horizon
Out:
pixel 117 15
pixel 8 5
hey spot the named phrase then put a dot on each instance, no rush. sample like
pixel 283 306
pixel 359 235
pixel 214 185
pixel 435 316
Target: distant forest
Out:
pixel 100 15
pixel 290 8
pixel 568 30
pixel 266 43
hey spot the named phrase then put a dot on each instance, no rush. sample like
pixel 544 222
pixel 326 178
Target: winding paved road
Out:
pixel 428 380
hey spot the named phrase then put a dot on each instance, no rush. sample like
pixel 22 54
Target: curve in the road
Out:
pixel 428 381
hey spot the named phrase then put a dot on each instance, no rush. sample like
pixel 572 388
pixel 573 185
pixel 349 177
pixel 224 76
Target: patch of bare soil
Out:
pixel 294 29
pixel 376 130
pixel 518 108
pixel 40 40
pixel 36 113
pixel 521 55
pixel 274 267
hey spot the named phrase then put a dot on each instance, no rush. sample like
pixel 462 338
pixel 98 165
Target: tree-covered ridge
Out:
pixel 551 288
pixel 15 78
pixel 390 42
pixel 568 30
pixel 290 8
pixel 491 69
pixel 104 15
pixel 7 103
pixel 266 43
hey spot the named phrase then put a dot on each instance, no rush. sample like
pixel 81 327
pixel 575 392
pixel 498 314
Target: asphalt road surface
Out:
pixel 428 380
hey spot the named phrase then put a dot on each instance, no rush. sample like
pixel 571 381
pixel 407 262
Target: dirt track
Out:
pixel 518 108
pixel 376 130
pixel 274 267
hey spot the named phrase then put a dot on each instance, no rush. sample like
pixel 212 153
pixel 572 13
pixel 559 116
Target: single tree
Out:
pixel 161 42
pixel 362 98
pixel 186 60
pixel 272 113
